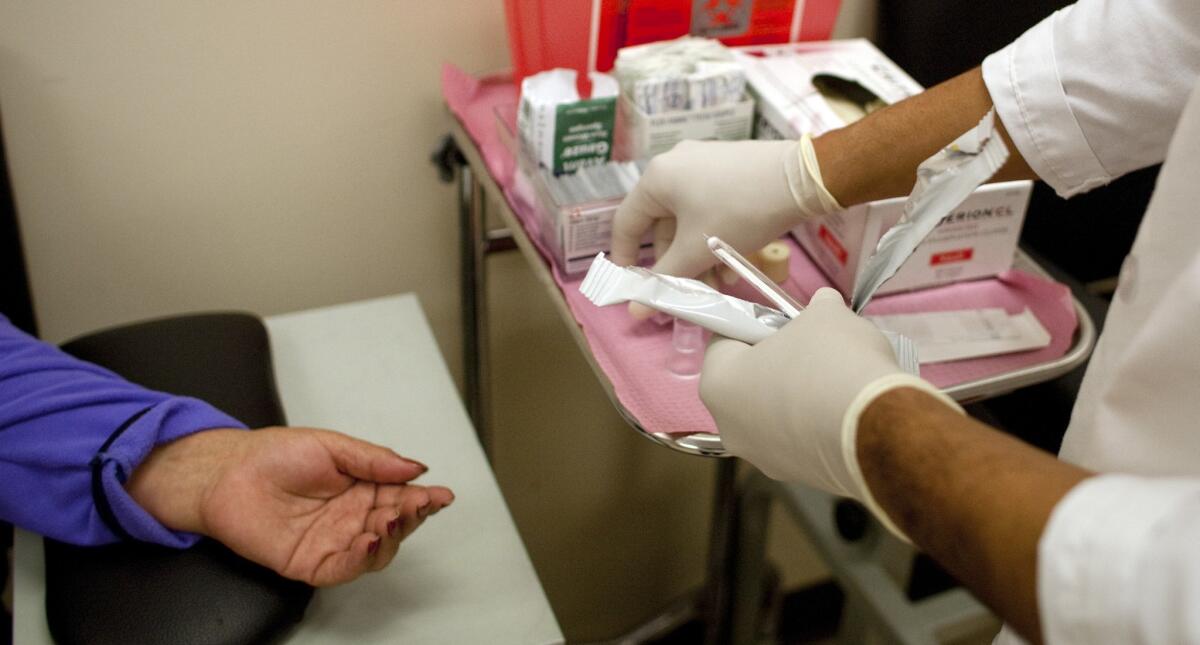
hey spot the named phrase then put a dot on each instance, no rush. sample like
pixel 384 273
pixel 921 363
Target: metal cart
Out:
pixel 477 189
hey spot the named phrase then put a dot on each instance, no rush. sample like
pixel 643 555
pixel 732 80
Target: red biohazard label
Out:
pixel 834 245
pixel 949 257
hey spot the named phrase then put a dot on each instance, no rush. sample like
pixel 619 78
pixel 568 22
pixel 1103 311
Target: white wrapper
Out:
pixel 690 300
pixel 943 182
pixel 696 302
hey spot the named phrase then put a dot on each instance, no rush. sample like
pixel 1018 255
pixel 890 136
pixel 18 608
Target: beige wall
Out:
pixel 273 156
pixel 260 155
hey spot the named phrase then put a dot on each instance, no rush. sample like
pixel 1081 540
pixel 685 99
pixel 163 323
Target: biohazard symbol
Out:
pixel 720 18
pixel 721 13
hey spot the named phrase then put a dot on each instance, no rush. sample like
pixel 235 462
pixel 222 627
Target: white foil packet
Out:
pixel 696 302
pixel 943 182
pixel 686 299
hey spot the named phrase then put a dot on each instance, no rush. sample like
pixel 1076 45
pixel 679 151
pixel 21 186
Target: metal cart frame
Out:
pixel 477 189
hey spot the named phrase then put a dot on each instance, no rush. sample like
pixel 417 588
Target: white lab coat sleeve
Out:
pixel 1118 563
pixel 1095 90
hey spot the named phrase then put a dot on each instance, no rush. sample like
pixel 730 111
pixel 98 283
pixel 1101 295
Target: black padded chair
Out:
pixel 141 593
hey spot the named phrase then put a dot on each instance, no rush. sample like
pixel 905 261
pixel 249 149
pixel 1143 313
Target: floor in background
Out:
pixel 808 616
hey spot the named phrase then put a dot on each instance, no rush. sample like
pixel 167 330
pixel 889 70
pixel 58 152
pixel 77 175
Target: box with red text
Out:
pixel 976 240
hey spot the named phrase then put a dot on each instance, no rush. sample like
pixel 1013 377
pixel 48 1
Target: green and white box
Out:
pixel 561 131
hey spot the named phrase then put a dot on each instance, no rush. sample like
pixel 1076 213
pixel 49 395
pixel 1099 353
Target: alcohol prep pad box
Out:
pixel 977 240
pixel 559 129
pixel 689 88
pixel 644 135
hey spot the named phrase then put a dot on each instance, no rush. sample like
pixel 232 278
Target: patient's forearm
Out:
pixel 973 498
pixel 877 157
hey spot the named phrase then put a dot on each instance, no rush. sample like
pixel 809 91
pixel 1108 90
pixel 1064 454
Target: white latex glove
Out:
pixel 748 193
pixel 790 405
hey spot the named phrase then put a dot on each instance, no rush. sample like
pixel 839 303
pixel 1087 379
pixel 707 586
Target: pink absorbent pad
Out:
pixel 634 354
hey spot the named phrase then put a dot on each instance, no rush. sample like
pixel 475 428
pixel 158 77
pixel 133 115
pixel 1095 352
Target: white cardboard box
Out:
pixel 573 233
pixel 641 135
pixel 780 79
pixel 977 240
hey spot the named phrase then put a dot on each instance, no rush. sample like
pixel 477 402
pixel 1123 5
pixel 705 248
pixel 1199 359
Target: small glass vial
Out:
pixel 687 343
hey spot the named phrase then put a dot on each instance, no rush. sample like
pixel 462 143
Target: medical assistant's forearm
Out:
pixel 877 157
pixel 973 498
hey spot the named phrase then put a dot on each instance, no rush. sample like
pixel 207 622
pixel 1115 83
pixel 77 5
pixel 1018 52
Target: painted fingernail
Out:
pixel 393 525
pixel 373 547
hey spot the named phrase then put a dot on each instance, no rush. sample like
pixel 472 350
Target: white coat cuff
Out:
pixel 1090 555
pixel 1024 84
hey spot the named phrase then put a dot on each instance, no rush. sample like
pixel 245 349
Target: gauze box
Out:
pixel 560 130
pixel 574 211
pixel 977 240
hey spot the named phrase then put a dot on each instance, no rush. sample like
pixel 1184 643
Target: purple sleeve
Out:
pixel 71 433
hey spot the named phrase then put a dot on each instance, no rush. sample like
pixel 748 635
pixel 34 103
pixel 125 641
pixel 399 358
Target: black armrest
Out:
pixel 141 593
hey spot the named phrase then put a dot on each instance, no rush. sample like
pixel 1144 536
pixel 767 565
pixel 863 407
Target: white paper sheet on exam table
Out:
pixel 970 333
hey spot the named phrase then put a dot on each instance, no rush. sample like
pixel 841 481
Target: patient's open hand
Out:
pixel 313 505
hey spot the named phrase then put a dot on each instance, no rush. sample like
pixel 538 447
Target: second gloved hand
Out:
pixel 748 193
pixel 790 405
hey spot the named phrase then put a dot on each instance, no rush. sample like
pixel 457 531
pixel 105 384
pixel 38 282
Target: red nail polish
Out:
pixel 416 463
pixel 391 526
pixel 373 547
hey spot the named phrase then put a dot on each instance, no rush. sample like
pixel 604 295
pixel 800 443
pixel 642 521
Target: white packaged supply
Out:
pixel 575 210
pixel 695 302
pixel 641 135
pixel 942 336
pixel 683 74
pixel 691 300
pixel 688 88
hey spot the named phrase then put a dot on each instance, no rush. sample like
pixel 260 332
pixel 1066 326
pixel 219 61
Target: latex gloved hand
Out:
pixel 790 405
pixel 748 193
